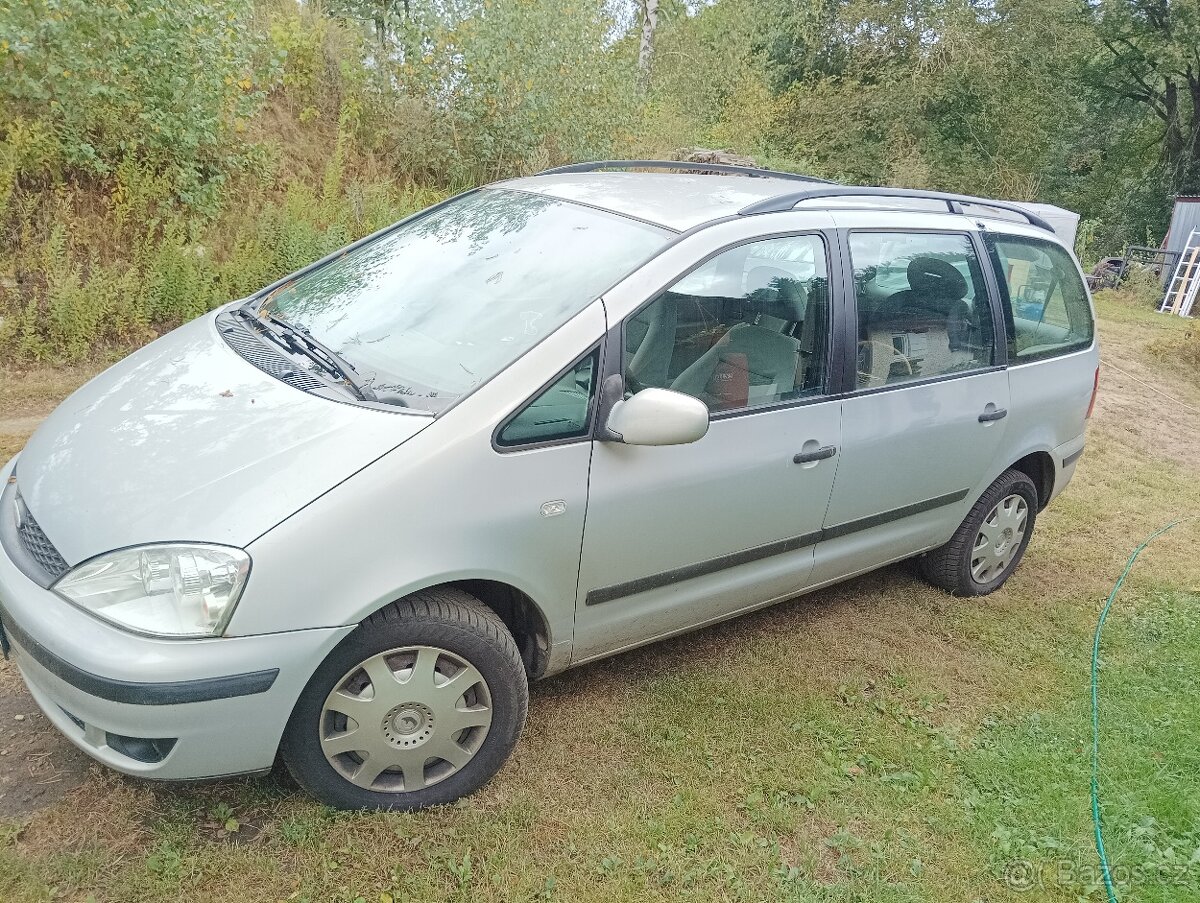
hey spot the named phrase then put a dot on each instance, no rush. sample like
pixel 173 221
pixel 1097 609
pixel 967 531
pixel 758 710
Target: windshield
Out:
pixel 439 306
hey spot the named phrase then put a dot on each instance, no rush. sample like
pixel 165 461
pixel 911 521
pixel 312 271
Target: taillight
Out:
pixel 1095 389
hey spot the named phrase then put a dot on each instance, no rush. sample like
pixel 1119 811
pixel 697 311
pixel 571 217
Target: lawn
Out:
pixel 876 741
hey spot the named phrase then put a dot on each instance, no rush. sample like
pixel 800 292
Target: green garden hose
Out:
pixel 1110 891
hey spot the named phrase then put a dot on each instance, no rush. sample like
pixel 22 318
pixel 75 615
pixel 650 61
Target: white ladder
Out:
pixel 1181 292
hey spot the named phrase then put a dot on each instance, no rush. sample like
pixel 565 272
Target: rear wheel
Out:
pixel 990 542
pixel 419 706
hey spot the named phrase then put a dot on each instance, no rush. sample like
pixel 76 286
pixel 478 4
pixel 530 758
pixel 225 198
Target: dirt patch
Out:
pixel 1147 406
pixel 812 849
pixel 15 426
pixel 37 391
pixel 38 767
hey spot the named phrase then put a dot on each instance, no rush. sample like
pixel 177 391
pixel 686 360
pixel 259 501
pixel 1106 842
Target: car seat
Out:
pixel 928 325
pixel 934 297
pixel 752 362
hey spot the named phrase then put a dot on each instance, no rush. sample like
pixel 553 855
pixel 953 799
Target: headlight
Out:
pixel 169 590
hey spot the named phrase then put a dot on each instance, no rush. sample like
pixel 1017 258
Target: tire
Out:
pixel 980 555
pixel 440 694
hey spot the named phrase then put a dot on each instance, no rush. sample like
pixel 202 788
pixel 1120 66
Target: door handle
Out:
pixel 995 414
pixel 820 454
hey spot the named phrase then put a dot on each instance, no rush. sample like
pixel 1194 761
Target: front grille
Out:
pixel 39 547
pixel 242 340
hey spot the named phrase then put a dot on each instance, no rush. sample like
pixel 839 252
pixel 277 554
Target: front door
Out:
pixel 679 536
pixel 924 426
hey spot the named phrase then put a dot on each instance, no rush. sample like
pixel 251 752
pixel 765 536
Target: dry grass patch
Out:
pixel 27 396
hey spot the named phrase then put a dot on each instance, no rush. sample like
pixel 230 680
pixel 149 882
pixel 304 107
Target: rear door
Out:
pixel 679 536
pixel 925 416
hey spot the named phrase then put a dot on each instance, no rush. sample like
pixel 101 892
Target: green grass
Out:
pixel 1025 774
pixel 877 741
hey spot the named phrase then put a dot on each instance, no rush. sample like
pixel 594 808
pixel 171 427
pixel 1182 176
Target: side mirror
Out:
pixel 658 417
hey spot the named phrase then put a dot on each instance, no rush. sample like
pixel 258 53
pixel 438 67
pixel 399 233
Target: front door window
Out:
pixel 746 329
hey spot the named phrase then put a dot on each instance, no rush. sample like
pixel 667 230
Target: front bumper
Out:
pixel 167 709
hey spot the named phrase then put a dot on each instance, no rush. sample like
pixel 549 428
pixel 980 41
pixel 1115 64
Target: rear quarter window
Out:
pixel 1046 309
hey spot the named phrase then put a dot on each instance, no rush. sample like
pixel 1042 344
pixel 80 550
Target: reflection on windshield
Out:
pixel 438 307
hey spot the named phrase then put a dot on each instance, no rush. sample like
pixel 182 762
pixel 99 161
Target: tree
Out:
pixel 646 49
pixel 381 16
pixel 1151 57
pixel 519 86
pixel 400 30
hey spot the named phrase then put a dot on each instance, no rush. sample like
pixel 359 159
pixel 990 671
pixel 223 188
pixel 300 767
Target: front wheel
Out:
pixel 990 542
pixel 417 707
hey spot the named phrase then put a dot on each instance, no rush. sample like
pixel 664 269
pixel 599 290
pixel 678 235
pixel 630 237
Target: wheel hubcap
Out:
pixel 407 725
pixel 405 719
pixel 999 539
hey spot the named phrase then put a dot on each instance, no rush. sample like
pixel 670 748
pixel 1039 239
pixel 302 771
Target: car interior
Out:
pixel 1040 312
pixel 748 332
pixel 750 328
pixel 921 317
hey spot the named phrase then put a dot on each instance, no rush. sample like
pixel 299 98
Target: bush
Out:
pixel 524 85
pixel 1143 286
pixel 63 302
pixel 89 83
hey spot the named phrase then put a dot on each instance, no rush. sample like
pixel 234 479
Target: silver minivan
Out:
pixel 346 520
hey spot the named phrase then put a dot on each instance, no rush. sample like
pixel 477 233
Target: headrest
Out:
pixel 936 280
pixel 775 293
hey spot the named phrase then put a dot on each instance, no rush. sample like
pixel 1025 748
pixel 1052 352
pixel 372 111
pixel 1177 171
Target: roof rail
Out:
pixel 953 202
pixel 751 171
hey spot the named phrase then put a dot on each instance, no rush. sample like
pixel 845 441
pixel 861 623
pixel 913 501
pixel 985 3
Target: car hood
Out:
pixel 186 441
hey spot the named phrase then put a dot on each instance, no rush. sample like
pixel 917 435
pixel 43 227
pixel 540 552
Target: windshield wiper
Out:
pixel 300 340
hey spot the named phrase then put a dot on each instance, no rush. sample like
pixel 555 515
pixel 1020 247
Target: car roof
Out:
pixel 682 201
pixel 677 201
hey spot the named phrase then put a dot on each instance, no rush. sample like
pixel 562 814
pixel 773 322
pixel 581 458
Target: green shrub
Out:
pixel 524 85
pixel 1143 286
pixel 170 84
pixel 64 303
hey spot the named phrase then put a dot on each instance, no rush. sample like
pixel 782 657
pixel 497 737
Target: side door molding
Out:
pixel 703 568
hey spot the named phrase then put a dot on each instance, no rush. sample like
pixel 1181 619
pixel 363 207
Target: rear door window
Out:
pixel 1046 310
pixel 923 308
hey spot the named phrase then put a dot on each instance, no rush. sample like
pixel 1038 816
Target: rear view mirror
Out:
pixel 658 417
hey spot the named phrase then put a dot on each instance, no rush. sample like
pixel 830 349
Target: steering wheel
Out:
pixel 866 361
